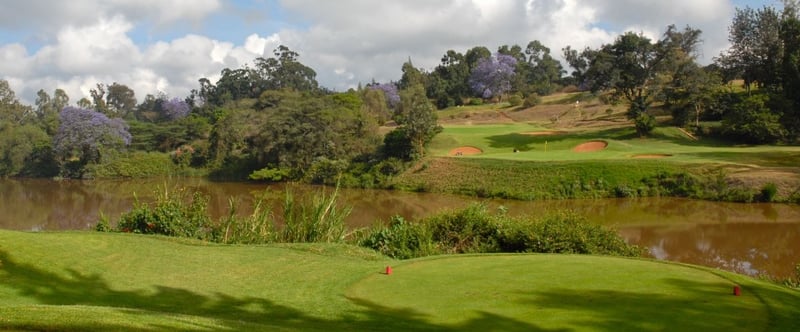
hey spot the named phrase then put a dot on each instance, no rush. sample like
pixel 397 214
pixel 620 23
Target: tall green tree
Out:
pixel 756 47
pixel 639 71
pixel 417 118
pixel 284 71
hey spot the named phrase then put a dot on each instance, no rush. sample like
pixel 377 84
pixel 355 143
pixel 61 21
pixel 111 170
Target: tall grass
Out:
pixel 319 220
pixel 175 214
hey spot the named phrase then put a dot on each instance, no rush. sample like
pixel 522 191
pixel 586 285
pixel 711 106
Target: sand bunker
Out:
pixel 465 151
pixel 591 146
pixel 545 133
pixel 651 156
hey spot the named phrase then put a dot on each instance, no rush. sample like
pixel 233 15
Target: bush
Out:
pixel 768 192
pixel 532 100
pixel 400 239
pixel 134 165
pixel 474 230
pixel 567 232
pixel 515 100
pixel 170 215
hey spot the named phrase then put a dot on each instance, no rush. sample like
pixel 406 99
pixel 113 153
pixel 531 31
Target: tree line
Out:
pixel 273 121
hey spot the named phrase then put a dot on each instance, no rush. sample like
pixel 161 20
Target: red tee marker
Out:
pixel 388 270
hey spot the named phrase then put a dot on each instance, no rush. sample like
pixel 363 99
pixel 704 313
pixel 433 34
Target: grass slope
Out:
pixel 96 281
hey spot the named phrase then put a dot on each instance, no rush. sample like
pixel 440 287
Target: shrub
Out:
pixel 399 239
pixel 567 232
pixel 474 230
pixel 532 100
pixel 768 192
pixel 468 230
pixel 515 100
pixel 170 215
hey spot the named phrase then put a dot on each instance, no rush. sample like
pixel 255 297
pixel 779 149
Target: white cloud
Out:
pixel 345 41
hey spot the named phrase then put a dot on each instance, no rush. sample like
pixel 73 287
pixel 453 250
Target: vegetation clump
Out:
pixel 475 230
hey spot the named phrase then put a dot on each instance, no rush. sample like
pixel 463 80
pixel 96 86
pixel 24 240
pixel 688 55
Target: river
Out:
pixel 746 238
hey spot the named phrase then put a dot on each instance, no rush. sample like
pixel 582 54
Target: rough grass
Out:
pixel 100 281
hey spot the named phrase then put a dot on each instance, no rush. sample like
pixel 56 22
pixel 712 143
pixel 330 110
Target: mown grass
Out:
pixel 101 281
pixel 498 141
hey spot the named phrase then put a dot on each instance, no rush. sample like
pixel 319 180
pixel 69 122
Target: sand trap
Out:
pixel 591 146
pixel 465 151
pixel 651 156
pixel 545 133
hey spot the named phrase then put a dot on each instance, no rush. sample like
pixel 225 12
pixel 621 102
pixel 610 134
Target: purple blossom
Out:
pixel 175 108
pixel 492 76
pixel 83 131
pixel 390 92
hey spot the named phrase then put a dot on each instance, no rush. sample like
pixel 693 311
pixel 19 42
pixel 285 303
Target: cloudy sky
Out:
pixel 166 46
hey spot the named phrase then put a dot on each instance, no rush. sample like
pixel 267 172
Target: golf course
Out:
pixel 77 281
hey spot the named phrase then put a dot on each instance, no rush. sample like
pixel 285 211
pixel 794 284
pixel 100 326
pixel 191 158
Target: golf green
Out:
pixel 547 292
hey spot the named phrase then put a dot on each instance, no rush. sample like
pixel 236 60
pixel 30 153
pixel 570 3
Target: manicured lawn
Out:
pixel 498 141
pixel 98 281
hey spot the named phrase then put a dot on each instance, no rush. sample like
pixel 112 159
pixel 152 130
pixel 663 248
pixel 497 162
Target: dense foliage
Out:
pixel 475 230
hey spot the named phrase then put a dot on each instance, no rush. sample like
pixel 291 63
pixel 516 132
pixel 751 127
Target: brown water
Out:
pixel 746 238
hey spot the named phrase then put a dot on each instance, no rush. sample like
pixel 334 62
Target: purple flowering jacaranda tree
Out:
pixel 492 76
pixel 84 133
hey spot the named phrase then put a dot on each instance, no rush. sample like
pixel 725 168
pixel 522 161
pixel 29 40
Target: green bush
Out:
pixel 515 100
pixel 134 165
pixel 768 192
pixel 567 232
pixel 399 239
pixel 532 100
pixel 475 230
pixel 468 230
pixel 173 213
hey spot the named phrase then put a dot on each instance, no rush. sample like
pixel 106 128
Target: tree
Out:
pixel 11 110
pixel 25 150
pixel 284 71
pixel 638 70
pixel 417 118
pixel 175 108
pixel 390 93
pixel 755 49
pixel 84 135
pixel 492 76
pixel 449 81
pixel 543 71
pixel 120 100
pixel 790 67
pixel 47 109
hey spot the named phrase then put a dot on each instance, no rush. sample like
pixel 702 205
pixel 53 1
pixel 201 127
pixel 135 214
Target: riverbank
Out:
pixel 101 281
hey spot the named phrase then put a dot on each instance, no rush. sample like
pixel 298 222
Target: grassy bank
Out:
pixel 529 161
pixel 100 281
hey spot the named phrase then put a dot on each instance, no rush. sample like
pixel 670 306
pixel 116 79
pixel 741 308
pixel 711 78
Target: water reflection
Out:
pixel 746 238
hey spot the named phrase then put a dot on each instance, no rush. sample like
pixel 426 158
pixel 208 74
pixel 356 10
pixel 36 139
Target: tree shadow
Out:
pixel 618 310
pixel 230 312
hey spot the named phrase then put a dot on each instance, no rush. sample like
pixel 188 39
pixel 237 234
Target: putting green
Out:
pixel 544 292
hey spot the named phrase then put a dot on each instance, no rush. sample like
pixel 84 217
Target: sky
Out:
pixel 165 46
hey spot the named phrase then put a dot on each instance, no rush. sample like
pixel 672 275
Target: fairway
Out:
pixel 554 292
pixel 500 141
pixel 99 281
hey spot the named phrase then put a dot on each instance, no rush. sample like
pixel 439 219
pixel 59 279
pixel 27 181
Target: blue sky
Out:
pixel 165 46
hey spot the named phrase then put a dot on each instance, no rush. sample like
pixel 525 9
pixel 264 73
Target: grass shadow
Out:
pixel 73 290
pixel 618 310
